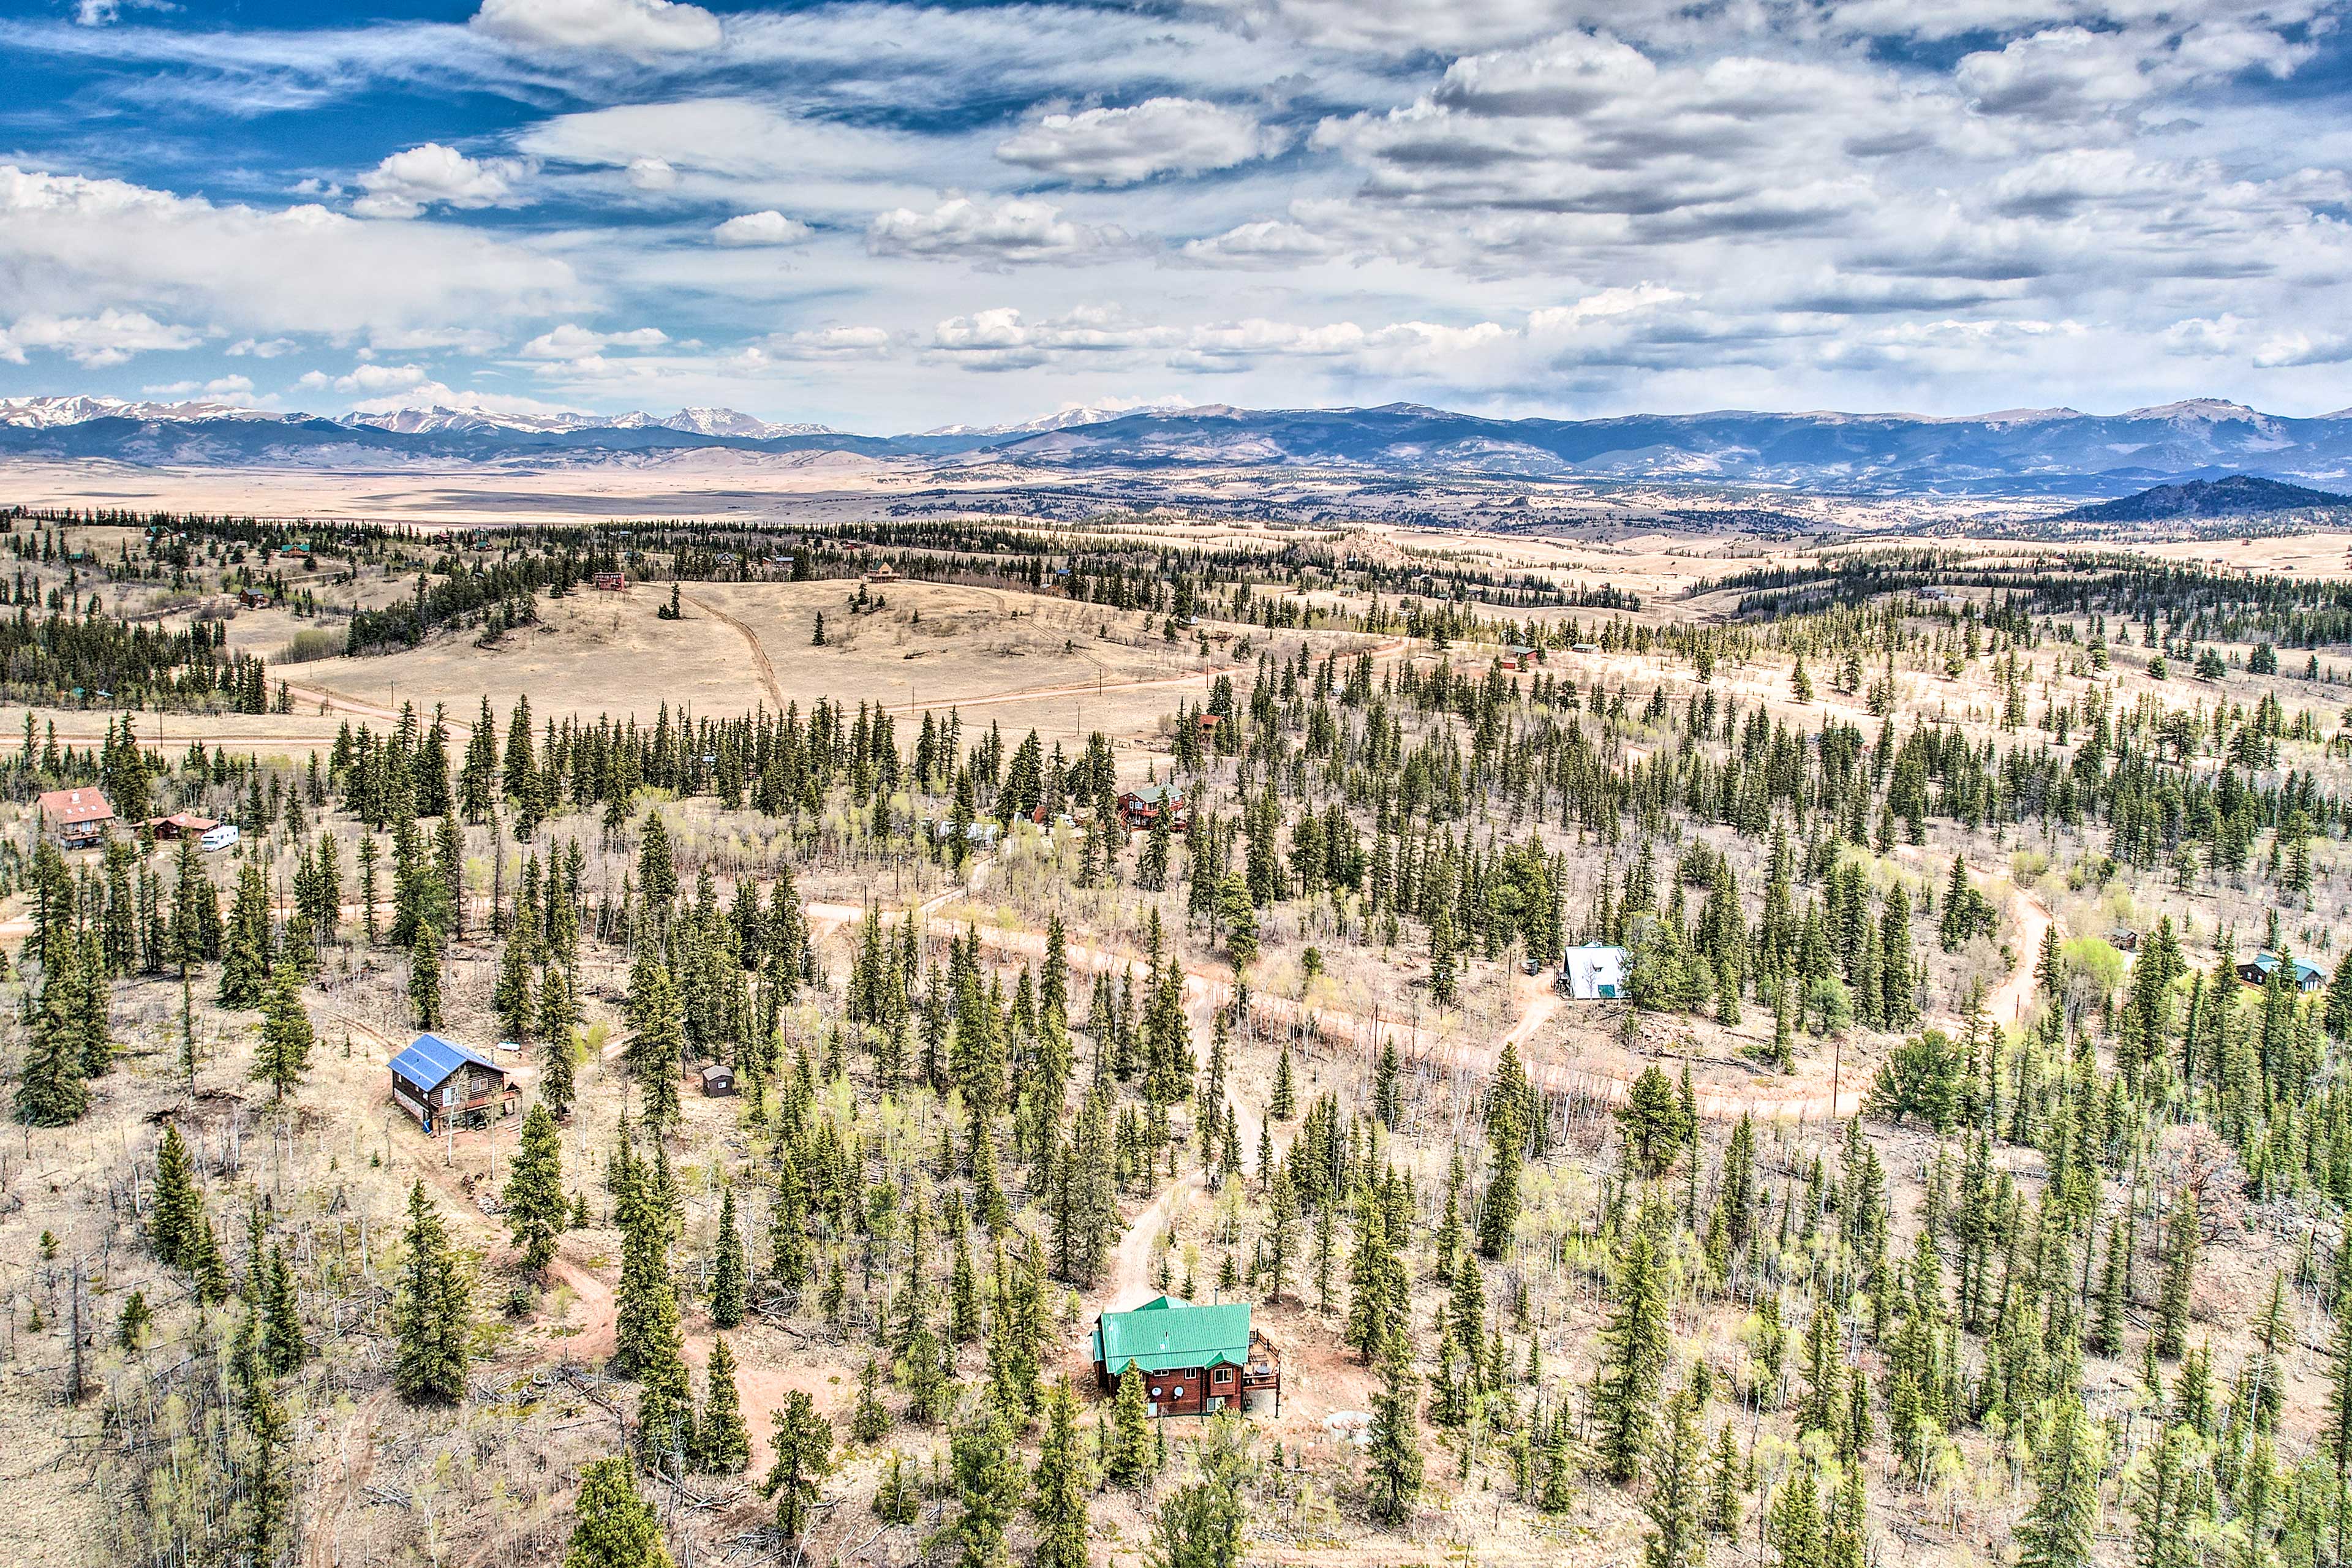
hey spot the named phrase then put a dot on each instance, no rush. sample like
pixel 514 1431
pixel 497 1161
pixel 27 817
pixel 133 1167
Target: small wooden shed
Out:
pixel 718 1078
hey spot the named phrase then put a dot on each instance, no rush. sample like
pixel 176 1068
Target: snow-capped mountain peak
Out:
pixel 49 413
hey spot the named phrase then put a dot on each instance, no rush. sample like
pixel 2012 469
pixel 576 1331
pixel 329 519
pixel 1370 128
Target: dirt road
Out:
pixel 767 671
pixel 2010 1003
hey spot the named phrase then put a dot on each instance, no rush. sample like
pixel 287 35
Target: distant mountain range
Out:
pixel 2057 452
pixel 2238 495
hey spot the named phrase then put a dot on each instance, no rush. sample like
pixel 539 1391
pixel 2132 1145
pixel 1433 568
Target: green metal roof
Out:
pixel 1162 1335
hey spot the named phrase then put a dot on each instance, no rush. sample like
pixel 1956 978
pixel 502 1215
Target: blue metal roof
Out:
pixel 429 1059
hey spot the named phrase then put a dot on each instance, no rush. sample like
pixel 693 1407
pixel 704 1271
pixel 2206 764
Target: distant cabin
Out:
pixel 1584 648
pixel 442 1085
pixel 1194 1361
pixel 882 572
pixel 610 582
pixel 1594 972
pixel 255 598
pixel 76 818
pixel 180 825
pixel 2256 971
pixel 1519 656
pixel 1138 807
pixel 718 1078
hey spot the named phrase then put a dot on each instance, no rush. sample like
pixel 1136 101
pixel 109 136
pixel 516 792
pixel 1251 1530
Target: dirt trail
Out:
pixel 2010 1003
pixel 767 671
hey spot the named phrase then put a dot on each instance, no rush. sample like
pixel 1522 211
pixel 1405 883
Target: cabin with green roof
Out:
pixel 1194 1361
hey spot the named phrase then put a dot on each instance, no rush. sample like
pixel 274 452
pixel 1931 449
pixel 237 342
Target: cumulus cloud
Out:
pixel 109 337
pixel 72 246
pixel 231 389
pixel 1126 146
pixel 652 174
pixel 2064 73
pixel 769 227
pixel 572 340
pixel 405 184
pixel 643 29
pixel 1266 242
pixel 822 343
pixel 1001 339
pixel 992 233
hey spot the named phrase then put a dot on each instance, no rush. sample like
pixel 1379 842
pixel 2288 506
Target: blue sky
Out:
pixel 890 216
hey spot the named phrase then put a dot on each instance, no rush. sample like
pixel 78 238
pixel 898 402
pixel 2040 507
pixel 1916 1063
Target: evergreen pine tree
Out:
pixel 206 1264
pixel 2059 1528
pixel 2162 1508
pixel 1795 1528
pixel 1632 1357
pixel 1393 1455
pixel 1725 1502
pixel 729 1275
pixel 283 1347
pixel 1128 1459
pixel 2180 1274
pixel 657 1045
pixel 536 1207
pixel 646 1344
pixel 615 1527
pixel 424 977
pixel 723 1444
pixel 284 1056
pixel 432 1314
pixel 989 1484
pixel 557 1014
pixel 1848 1543
pixel 511 996
pixel 52 1090
pixel 1058 1488
pixel 1676 1537
pixel 869 1418
pixel 802 1450
pixel 172 1222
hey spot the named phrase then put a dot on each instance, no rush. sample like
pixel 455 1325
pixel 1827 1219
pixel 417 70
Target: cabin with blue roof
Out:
pixel 442 1085
pixel 1194 1361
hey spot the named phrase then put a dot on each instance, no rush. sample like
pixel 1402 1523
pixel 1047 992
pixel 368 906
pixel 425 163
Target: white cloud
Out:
pixel 370 378
pixel 1125 146
pixel 992 233
pixel 642 29
pixel 405 184
pixel 770 227
pixel 735 138
pixel 235 389
pixel 831 343
pixel 261 348
pixel 1267 242
pixel 105 12
pixel 75 246
pixel 652 174
pixel 109 337
pixel 2064 73
pixel 421 340
pixel 574 342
